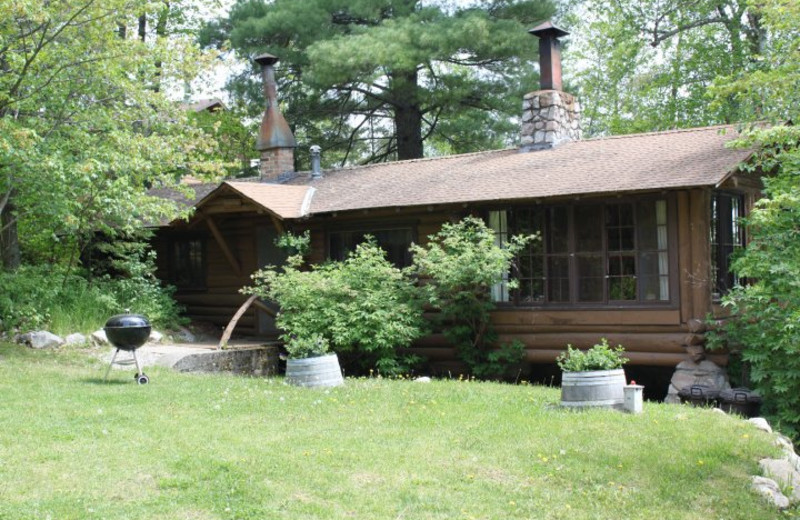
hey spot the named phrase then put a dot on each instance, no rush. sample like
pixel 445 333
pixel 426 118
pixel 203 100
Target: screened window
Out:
pixel 727 236
pixel 394 241
pixel 609 252
pixel 188 263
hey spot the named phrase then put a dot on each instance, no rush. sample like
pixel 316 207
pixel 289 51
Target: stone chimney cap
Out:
pixel 266 59
pixel 548 29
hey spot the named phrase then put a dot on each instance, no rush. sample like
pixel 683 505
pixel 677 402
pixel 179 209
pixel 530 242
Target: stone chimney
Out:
pixel 550 116
pixel 275 140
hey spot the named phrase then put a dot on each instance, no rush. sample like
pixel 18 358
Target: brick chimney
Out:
pixel 550 116
pixel 275 140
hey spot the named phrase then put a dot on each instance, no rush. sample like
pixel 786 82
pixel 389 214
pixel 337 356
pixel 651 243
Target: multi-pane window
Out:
pixel 394 241
pixel 594 253
pixel 727 236
pixel 187 265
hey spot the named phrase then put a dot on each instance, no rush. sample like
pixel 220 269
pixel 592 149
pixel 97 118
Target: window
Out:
pixel 727 236
pixel 187 263
pixel 395 241
pixel 595 253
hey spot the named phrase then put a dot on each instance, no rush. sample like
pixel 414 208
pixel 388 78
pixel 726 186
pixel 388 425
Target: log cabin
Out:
pixel 636 230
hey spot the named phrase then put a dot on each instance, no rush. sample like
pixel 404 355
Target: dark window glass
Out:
pixel 187 264
pixel 394 241
pixel 727 236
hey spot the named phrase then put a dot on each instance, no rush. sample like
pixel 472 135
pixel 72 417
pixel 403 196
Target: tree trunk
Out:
pixel 9 240
pixel 407 115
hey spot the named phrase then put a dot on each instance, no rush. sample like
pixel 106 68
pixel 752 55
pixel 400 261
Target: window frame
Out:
pixel 199 280
pixel 572 255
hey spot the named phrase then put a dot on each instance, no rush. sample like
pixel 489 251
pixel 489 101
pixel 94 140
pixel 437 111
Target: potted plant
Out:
pixel 593 377
pixel 310 363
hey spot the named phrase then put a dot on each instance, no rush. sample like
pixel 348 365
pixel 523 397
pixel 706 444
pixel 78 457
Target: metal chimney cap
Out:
pixel 548 29
pixel 266 59
pixel 315 148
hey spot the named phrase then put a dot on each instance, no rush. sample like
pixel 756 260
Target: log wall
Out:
pixel 651 336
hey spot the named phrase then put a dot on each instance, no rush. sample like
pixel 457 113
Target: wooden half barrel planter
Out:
pixel 595 388
pixel 319 371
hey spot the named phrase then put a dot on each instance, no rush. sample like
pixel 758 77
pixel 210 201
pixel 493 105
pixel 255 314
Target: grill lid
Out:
pixel 127 321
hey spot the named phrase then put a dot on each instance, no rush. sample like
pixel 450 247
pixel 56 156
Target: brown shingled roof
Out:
pixel 658 160
pixel 284 201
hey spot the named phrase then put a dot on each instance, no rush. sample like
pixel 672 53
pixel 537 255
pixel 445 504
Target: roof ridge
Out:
pixel 663 132
pixel 418 160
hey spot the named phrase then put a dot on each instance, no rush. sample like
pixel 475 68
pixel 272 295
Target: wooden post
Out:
pixel 700 204
pixel 684 257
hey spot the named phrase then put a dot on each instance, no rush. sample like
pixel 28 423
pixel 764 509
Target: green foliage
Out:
pixel 765 323
pixel 363 306
pixel 600 357
pixel 648 65
pixel 394 73
pixel 51 297
pixel 85 125
pixel 459 265
pixel 306 347
pixel 236 141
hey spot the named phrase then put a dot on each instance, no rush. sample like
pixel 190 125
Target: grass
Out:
pixel 200 447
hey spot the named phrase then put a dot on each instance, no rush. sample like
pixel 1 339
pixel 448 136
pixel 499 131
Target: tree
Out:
pixel 648 65
pixel 765 313
pixel 377 80
pixel 85 127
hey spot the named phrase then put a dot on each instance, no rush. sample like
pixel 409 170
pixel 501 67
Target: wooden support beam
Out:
pixel 223 245
pixel 278 224
pixel 226 336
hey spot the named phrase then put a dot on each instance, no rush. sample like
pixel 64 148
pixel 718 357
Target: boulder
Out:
pixel 155 337
pixel 99 338
pixel 41 339
pixel 184 335
pixel 689 373
pixel 75 339
pixel 784 474
pixel 761 424
pixel 769 489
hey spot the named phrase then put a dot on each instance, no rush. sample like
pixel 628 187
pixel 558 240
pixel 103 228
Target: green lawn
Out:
pixel 223 447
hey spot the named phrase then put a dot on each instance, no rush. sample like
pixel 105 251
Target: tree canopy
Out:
pixel 377 80
pixel 85 126
pixel 649 65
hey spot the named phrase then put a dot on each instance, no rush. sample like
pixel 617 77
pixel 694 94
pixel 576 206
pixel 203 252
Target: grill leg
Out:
pixel 113 358
pixel 136 360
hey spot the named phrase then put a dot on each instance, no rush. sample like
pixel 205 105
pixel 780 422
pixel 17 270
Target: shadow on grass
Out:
pixel 109 381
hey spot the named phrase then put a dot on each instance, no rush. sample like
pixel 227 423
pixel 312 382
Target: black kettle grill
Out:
pixel 128 332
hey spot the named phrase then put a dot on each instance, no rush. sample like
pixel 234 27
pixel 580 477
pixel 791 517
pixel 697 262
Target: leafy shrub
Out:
pixel 363 306
pixel 600 357
pixel 765 315
pixel 460 264
pixel 54 298
pixel 313 346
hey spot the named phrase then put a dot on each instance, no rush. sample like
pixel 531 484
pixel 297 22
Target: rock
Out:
pixel 423 379
pixel 689 373
pixel 41 339
pixel 98 338
pixel 761 424
pixel 784 474
pixel 184 335
pixel 75 339
pixel 155 337
pixel 769 489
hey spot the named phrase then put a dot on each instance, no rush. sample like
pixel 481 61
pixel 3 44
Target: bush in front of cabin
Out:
pixel 458 266
pixel 364 307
